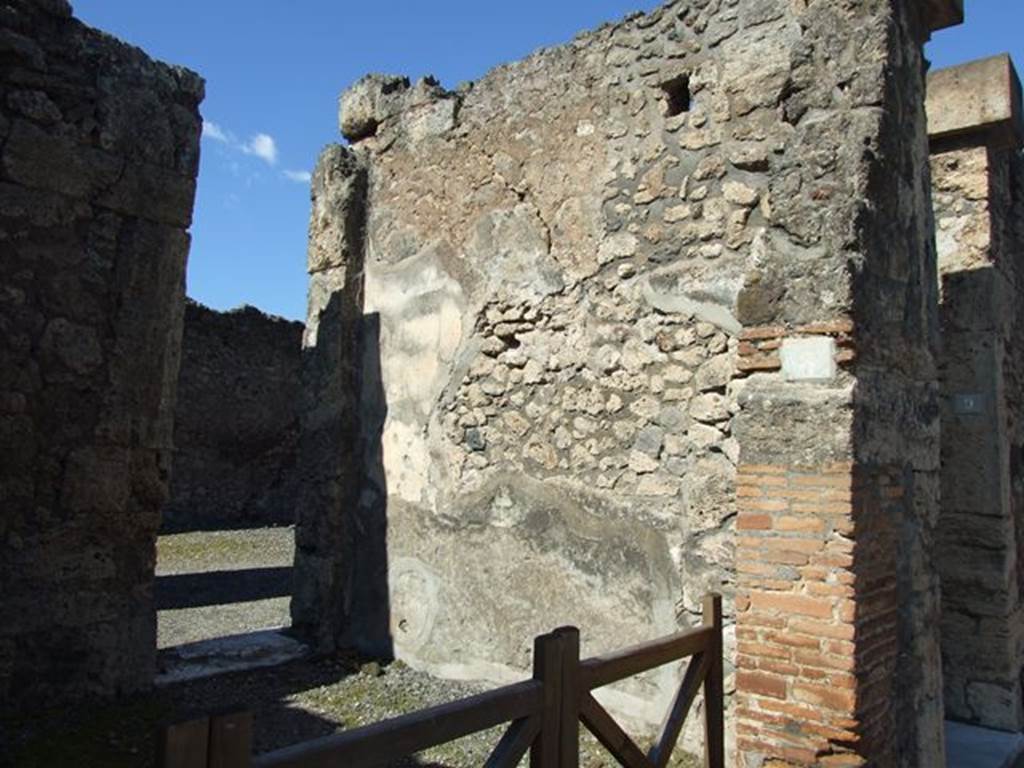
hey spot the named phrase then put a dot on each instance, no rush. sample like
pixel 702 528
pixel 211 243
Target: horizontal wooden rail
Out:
pixel 609 668
pixel 379 743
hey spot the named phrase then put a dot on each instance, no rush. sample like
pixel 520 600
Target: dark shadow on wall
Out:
pixel 194 590
pixel 369 628
pixel 895 608
pixel 978 529
pixel 341 597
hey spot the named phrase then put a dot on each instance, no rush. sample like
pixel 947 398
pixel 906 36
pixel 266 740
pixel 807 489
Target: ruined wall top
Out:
pixel 941 14
pixel 981 99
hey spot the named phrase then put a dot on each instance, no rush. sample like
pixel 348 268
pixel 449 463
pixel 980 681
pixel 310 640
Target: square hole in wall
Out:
pixel 676 95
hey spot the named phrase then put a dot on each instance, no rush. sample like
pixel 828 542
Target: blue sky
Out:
pixel 273 73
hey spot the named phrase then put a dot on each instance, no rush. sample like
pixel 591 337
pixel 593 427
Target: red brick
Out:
pixel 779 668
pixel 758 332
pixel 759 362
pixel 763 649
pixel 793 639
pixel 825 696
pixel 782 557
pixel 844 760
pixel 744 565
pixel 793 604
pixel 830 590
pixel 800 524
pixel 771 585
pixel 800 494
pixel 838 560
pixel 840 647
pixel 755 619
pixel 822 481
pixel 787 543
pixel 823 507
pixel 814 659
pixel 815 573
pixel 796 711
pixel 761 684
pixel 762 504
pixel 834 631
pixel 845 680
pixel 753 522
pixel 830 327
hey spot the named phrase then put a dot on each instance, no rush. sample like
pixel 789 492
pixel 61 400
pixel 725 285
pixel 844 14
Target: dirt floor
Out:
pixel 290 703
pixel 293 702
pixel 234 565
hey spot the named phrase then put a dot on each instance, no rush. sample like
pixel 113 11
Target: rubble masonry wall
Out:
pixel 558 289
pixel 236 422
pixel 98 158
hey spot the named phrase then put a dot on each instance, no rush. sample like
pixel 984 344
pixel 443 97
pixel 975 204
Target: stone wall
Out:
pixel 98 157
pixel 975 121
pixel 236 422
pixel 839 602
pixel 556 288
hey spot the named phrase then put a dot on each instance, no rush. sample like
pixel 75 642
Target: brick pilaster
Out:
pixel 816 613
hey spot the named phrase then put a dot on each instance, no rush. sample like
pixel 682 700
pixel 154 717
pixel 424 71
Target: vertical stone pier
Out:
pixel 974 120
pixel 838 484
pixel 329 475
pixel 99 150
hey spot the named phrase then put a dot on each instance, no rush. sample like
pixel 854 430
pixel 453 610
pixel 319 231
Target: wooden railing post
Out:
pixel 230 740
pixel 220 741
pixel 714 688
pixel 547 670
pixel 184 745
pixel 572 692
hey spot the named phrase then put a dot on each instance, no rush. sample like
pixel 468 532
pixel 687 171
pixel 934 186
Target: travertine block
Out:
pixel 982 97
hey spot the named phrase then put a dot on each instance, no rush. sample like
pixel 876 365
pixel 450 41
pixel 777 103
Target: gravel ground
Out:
pixel 224 550
pixel 205 552
pixel 290 703
pixel 189 625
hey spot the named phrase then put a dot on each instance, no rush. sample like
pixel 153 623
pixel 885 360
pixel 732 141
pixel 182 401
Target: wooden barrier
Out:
pixel 544 714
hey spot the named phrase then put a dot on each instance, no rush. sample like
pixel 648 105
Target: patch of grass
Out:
pixel 211 550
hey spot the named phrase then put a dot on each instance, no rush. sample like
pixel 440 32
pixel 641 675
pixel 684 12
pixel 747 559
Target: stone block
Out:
pixel 811 359
pixel 980 98
pixel 941 14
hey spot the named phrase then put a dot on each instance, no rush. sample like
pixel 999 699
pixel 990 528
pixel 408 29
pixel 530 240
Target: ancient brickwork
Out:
pixel 236 422
pixel 837 593
pixel 977 131
pixel 573 274
pixel 98 158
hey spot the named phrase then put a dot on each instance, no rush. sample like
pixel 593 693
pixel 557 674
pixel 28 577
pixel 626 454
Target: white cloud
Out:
pixel 300 177
pixel 262 146
pixel 215 132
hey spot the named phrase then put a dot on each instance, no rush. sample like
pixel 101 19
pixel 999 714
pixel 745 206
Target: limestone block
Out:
pixel 982 97
pixel 368 102
pixel 810 359
pixel 338 217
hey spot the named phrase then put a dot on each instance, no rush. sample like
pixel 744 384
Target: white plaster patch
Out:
pixel 811 359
